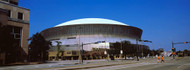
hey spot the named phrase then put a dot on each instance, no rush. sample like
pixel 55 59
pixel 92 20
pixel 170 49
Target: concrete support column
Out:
pixel 91 57
pixel 100 57
pixel 120 56
pixel 86 57
pixel 108 57
pixel 115 57
pixel 96 57
pixel 71 58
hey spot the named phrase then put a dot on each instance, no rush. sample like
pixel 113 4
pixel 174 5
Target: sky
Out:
pixel 162 21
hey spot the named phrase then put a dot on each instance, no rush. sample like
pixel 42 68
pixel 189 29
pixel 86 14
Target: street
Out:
pixel 144 64
pixel 183 64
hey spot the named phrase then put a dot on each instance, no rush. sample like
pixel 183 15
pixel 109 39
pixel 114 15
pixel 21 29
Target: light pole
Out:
pixel 153 49
pixel 121 47
pixel 80 57
pixel 138 46
pixel 137 49
pixel 121 51
pixel 173 49
pixel 82 52
pixel 106 53
pixel 173 52
pixel 145 41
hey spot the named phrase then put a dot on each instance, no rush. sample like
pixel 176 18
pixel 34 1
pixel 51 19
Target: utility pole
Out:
pixel 82 52
pixel 153 49
pixel 173 49
pixel 80 57
pixel 141 47
pixel 121 47
pixel 137 49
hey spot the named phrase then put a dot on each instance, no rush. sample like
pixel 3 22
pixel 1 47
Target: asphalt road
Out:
pixel 143 64
pixel 181 64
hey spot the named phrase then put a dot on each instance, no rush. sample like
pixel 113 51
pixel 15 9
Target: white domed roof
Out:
pixel 91 21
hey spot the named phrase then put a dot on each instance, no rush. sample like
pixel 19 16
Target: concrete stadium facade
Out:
pixel 88 31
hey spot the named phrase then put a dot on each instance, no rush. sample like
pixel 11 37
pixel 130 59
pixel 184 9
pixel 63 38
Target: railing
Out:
pixel 18 20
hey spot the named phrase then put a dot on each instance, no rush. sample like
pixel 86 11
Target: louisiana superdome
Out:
pixel 90 30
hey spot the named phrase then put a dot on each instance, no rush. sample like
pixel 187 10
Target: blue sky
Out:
pixel 162 21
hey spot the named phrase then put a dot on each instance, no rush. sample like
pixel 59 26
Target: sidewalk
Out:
pixel 88 65
pixel 111 64
pixel 20 63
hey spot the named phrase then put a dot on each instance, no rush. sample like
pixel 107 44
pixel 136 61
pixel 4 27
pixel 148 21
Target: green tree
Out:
pixel 126 46
pixel 159 51
pixel 58 49
pixel 115 48
pixel 38 48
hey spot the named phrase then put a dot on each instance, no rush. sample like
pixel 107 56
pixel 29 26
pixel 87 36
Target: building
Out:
pixel 17 18
pixel 92 33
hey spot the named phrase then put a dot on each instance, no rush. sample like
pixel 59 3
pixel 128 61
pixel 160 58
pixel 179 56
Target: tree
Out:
pixel 127 47
pixel 159 51
pixel 58 49
pixel 38 48
pixel 115 48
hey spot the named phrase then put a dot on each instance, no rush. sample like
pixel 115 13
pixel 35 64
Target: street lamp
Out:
pixel 145 41
pixel 173 49
pixel 106 53
pixel 121 47
pixel 138 46
pixel 82 53
pixel 121 51
pixel 137 49
pixel 80 56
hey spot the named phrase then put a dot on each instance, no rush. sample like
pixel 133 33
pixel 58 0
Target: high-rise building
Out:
pixel 17 18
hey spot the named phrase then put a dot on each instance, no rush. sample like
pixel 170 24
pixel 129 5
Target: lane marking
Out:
pixel 180 66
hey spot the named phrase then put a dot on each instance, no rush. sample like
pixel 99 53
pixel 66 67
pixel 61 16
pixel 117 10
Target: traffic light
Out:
pixel 185 42
pixel 173 49
pixel 173 53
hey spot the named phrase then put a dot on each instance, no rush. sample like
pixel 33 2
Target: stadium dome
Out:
pixel 90 30
pixel 91 21
pixel 93 34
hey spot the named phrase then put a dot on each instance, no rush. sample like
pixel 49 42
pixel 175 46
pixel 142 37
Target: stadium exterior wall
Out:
pixel 92 33
pixel 72 36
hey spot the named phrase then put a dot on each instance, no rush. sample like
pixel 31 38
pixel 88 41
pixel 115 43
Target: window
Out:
pixel 17 30
pixel 74 52
pixel 6 0
pixel 9 13
pixel 68 52
pixel 20 15
pixel 17 34
pixel 13 2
